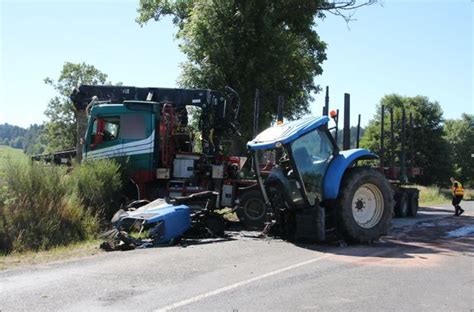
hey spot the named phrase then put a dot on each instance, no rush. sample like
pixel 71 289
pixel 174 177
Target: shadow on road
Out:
pixel 429 209
pixel 425 237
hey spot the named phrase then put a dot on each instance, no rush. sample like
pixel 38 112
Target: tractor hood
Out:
pixel 285 133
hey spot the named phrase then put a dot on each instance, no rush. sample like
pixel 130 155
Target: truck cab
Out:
pixel 124 132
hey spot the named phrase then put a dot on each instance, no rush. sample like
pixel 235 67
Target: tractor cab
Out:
pixel 312 187
pixel 301 152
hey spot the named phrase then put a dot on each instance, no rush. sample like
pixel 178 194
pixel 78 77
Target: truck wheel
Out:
pixel 251 211
pixel 413 204
pixel 401 204
pixel 365 205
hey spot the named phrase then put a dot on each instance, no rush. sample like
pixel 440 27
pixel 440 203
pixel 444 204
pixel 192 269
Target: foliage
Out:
pixel 43 206
pixel 38 209
pixel 460 135
pixel 430 149
pixel 432 195
pixel 61 129
pixel 99 186
pixel 267 45
pixel 30 139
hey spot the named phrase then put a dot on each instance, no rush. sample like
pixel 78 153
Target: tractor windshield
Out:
pixel 311 154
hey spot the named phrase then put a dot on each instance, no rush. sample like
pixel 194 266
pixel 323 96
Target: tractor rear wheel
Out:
pixel 365 205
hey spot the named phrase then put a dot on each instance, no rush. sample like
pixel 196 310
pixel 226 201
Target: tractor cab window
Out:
pixel 312 153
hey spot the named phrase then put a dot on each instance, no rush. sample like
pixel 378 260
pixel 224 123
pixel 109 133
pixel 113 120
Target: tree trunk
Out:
pixel 81 122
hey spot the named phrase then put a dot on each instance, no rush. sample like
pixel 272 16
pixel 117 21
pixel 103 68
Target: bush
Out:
pixel 39 209
pixel 99 186
pixel 430 195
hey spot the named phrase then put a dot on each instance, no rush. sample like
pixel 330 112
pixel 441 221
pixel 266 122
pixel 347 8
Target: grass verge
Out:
pixel 55 254
pixel 433 195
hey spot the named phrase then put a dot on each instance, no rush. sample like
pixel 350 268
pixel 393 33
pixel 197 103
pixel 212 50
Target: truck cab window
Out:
pixel 111 129
pixel 105 129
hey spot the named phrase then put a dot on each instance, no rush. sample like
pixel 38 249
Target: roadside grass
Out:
pixel 433 195
pixel 7 154
pixel 44 206
pixel 55 254
pixel 39 208
pixel 10 152
pixel 469 194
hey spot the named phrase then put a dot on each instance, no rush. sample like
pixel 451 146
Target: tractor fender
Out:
pixel 337 168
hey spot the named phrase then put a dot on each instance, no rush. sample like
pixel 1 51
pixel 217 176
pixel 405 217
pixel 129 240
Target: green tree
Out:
pixel 460 135
pixel 269 45
pixel 430 149
pixel 62 129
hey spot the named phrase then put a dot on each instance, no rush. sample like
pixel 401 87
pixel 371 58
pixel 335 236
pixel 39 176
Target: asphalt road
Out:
pixel 426 263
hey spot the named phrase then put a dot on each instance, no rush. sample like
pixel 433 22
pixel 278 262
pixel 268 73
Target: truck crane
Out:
pixel 146 129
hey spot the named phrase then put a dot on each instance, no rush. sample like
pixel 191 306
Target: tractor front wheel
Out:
pixel 365 205
pixel 251 211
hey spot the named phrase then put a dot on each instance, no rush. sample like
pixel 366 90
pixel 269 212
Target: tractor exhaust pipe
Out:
pixel 346 133
pixel 326 103
pixel 382 134
pixel 358 132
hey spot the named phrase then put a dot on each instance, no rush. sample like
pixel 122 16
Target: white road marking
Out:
pixel 236 285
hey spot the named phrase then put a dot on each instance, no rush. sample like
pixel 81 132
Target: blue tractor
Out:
pixel 311 188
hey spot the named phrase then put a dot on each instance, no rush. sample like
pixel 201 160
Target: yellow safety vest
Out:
pixel 458 191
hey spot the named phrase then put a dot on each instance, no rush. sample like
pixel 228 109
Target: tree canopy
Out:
pixel 61 129
pixel 269 45
pixel 430 149
pixel 460 135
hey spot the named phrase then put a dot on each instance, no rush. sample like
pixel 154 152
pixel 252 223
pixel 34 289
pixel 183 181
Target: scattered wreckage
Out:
pixel 164 222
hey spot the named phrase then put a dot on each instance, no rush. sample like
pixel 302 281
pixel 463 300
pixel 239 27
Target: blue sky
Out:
pixel 406 47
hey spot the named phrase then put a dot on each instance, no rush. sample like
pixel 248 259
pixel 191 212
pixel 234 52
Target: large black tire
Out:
pixel 251 211
pixel 413 203
pixel 401 204
pixel 365 205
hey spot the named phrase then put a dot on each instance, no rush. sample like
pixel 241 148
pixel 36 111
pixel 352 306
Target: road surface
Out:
pixel 426 263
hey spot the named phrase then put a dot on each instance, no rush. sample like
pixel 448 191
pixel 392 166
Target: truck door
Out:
pixel 104 141
pixel 137 137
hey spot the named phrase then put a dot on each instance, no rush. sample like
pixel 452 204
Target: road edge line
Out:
pixel 236 285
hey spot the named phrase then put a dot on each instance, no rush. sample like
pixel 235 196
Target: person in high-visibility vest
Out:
pixel 458 193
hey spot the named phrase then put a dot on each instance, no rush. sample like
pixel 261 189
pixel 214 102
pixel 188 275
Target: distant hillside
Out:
pixel 29 140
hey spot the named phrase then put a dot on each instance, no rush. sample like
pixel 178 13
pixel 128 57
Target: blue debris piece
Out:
pixel 164 221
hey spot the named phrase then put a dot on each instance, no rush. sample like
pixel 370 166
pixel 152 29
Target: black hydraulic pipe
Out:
pixel 382 134
pixel 403 175
pixel 326 103
pixel 256 112
pixel 358 132
pixel 281 103
pixel 392 140
pixel 337 126
pixel 346 132
pixel 412 143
